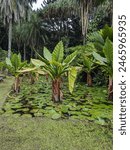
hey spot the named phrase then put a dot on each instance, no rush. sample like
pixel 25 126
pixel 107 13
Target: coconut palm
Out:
pixel 13 11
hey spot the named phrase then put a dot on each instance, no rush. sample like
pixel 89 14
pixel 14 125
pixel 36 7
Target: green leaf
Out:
pixel 37 62
pixel 41 72
pixel 107 32
pixel 96 37
pixel 72 74
pixel 19 56
pixel 43 59
pixel 70 58
pixel 8 62
pixel 56 116
pixel 15 60
pixel 99 58
pixel 58 52
pixel 47 54
pixel 26 70
pixel 108 50
pixel 88 63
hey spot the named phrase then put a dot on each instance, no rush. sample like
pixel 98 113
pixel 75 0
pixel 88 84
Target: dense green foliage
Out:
pixel 64 39
pixel 84 104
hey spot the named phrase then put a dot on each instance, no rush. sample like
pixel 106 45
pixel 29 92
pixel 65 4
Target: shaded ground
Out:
pixel 46 134
pixel 5 86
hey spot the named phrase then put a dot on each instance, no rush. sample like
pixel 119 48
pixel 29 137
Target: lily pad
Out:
pixel 64 109
pixel 56 116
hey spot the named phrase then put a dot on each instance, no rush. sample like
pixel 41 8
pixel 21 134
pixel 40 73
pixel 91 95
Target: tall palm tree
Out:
pixel 13 11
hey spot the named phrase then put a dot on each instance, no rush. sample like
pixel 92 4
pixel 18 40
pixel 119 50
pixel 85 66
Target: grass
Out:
pixel 82 129
pixel 5 86
pixel 46 134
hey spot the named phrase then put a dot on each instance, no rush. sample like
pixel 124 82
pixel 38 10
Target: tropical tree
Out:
pixel 81 8
pixel 56 66
pixel 13 11
pixel 14 65
pixel 104 55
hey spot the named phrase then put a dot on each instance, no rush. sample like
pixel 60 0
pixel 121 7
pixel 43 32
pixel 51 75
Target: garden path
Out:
pixel 5 86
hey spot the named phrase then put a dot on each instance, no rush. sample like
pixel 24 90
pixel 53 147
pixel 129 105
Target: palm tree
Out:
pixel 32 32
pixel 13 11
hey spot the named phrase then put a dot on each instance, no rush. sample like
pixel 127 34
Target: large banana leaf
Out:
pixel 108 50
pixel 88 64
pixel 8 62
pixel 107 32
pixel 15 60
pixel 47 54
pixel 37 62
pixel 72 74
pixel 70 58
pixel 96 37
pixel 35 69
pixel 58 53
pixel 43 59
pixel 99 58
pixel 27 70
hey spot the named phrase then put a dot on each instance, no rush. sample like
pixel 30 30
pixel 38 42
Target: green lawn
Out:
pixel 5 87
pixel 46 134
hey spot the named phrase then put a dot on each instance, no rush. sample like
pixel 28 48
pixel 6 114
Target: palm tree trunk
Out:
pixel 24 52
pixel 56 93
pixel 110 88
pixel 9 38
pixel 84 18
pixel 89 79
pixel 32 78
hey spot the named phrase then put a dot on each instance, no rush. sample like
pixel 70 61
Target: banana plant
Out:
pixel 56 66
pixel 107 64
pixel 88 66
pixel 14 65
pixel 32 72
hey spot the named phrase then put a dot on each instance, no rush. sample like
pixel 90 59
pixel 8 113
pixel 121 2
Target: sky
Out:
pixel 37 5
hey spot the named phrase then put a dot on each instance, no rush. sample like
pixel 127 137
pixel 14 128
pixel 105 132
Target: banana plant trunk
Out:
pixel 32 79
pixel 17 85
pixel 110 88
pixel 89 79
pixel 56 93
